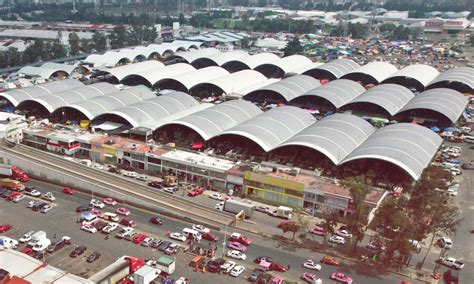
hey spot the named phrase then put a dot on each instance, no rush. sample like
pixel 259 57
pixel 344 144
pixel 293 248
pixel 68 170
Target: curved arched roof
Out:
pixel 68 68
pixel 155 75
pixel 378 71
pixel 422 73
pixel 121 72
pixel 286 64
pixel 219 59
pixel 236 81
pixel 250 62
pixel 390 97
pixel 190 56
pixel 133 54
pixel 336 68
pixel 460 75
pixel 17 96
pixel 41 71
pixel 303 69
pixel 335 136
pixel 62 99
pixel 193 78
pixel 409 146
pixel 148 112
pixel 338 92
pixel 215 120
pixel 273 127
pixel 110 58
pixel 289 88
pixel 112 101
pixel 447 102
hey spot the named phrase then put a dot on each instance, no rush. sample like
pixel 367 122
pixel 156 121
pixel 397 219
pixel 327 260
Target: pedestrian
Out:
pixel 107 237
pixel 54 236
pixel 288 266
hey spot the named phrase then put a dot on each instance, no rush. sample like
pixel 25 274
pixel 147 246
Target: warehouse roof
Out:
pixel 110 58
pixel 17 96
pixel 148 112
pixel 235 81
pixel 192 55
pixel 273 127
pixel 422 73
pixel 219 59
pixel 447 102
pixel 121 72
pixel 191 79
pixel 250 62
pixel 285 64
pixel 112 101
pixel 409 146
pixel 215 120
pixel 335 136
pixel 338 92
pixel 62 99
pixel 153 76
pixel 333 70
pixel 303 69
pixel 390 97
pixel 377 71
pixel 287 89
pixel 461 75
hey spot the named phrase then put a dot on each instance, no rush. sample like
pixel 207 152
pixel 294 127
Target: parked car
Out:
pixel 468 166
pixel 278 267
pixel 177 236
pixel 341 277
pixel 130 237
pixel 311 264
pixel 147 242
pixel 123 211
pixel 38 206
pixel 46 208
pixel 236 254
pixel 227 266
pixel 237 270
pixel 89 228
pixel 210 237
pixel 201 229
pixel 255 274
pixel 78 251
pixel 5 227
pixel 337 240
pixel 329 260
pixel 240 238
pixel 32 203
pixel 130 174
pixel 139 238
pixel 19 198
pixel 124 232
pixel 100 225
pixel 156 243
pixel 311 278
pixel 48 196
pixel 33 193
pixel 109 201
pixel 317 230
pixel 156 221
pixel 110 228
pixel 264 278
pixel 83 208
pixel 128 222
pixel 58 244
pixel 374 245
pixel 172 249
pixel 196 191
pixel 445 243
pixel 69 191
pixel 97 203
pixel 164 245
pixel 26 237
pixel 262 208
pixel 216 196
pixel 237 246
pixel 451 262
pixel 343 233
pixel 93 256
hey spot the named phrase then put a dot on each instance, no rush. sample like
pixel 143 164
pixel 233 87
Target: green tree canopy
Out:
pixel 74 46
pixel 293 47
pixel 118 37
pixel 99 41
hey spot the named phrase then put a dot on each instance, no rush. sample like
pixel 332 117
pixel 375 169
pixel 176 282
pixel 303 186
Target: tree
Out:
pixel 58 50
pixel 74 46
pixel 99 41
pixel 289 226
pixel 330 223
pixel 150 34
pixel 118 37
pixel 293 47
pixel 85 45
pixel 13 56
pixel 34 52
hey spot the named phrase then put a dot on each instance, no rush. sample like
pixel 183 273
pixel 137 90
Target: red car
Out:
pixel 139 238
pixel 27 251
pixel 196 191
pixel 210 237
pixel 128 222
pixel 12 195
pixel 69 191
pixel 240 238
pixel 277 267
pixel 5 227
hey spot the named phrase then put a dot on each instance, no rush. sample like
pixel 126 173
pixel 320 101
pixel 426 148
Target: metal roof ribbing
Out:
pixel 17 96
pixel 338 68
pixel 253 61
pixel 303 69
pixel 221 58
pixel 464 75
pixel 236 81
pixel 190 56
pixel 409 146
pixel 273 127
pixel 155 75
pixel 335 136
pixel 379 71
pixel 214 121
pixel 287 64
pixel 129 69
pixel 390 97
pixel 422 73
pixel 191 79
pixel 447 102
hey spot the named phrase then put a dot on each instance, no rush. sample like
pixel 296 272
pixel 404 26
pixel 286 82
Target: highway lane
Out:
pixel 286 254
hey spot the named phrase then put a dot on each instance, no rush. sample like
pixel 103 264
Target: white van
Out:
pixel 469 139
pixel 447 165
pixel 111 217
pixel 42 244
pixel 36 237
pixel 190 232
pixel 6 242
pixel 86 162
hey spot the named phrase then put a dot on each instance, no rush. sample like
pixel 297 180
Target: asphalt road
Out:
pixel 61 221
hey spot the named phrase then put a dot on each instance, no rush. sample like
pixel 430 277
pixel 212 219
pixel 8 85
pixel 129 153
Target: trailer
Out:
pixel 12 184
pixel 235 206
pixel 166 264
pixel 13 172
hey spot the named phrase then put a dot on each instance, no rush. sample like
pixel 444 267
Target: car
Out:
pixel 97 203
pixel 12 195
pixel 343 233
pixel 329 260
pixel 445 243
pixel 93 256
pixel 451 276
pixel 210 237
pixel 311 278
pixel 196 191
pixel 142 177
pixel 5 227
pixel 89 228
pixel 97 166
pixel 130 237
pixel 311 264
pixel 374 245
pixel 38 206
pixel 263 258
pixel 452 191
pixel 139 238
pixel 78 251
pixel 172 249
pixel 46 208
pixel 277 267
pixel 69 191
pixel 337 240
pixel 201 229
pixel 32 203
pixel 109 201
pixel 110 228
pixel 124 232
pixel 236 254
pixel 130 174
pixel 171 190
pixel 264 278
pixel 155 243
pixel 18 198
pixel 83 208
pixel 240 238
pixel 255 274
pixel 26 237
pixel 48 196
pixel 237 246
pixel 227 266
pixel 97 212
pixel 123 211
pixel 220 206
pixel 468 166
pixel 58 244
pixel 33 193
pixel 341 277
pixel 147 242
pixel 214 266
pixel 27 251
pixel 164 245
pixel 178 236
pixel 40 254
pixel 156 221
pixel 216 196
pixel 317 230
pixel 100 225
pixel 155 184
pixel 237 270
pixel 128 222
pixel 262 208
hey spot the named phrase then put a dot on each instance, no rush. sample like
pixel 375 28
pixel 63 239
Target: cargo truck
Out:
pixel 11 184
pixel 235 206
pixel 13 173
pixel 166 264
pixel 282 212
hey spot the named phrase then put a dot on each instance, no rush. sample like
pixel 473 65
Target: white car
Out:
pixel 31 203
pixel 227 266
pixel 236 254
pixel 19 198
pixel 110 228
pixel 337 240
pixel 89 228
pixel 445 243
pixel 220 206
pixel 201 229
pixel 171 190
pixel 33 193
pixel 178 236
pixel 98 166
pixel 216 196
pixel 130 174
pixel 48 196
pixel 236 271
pixel 452 192
pixel 310 264
pixel 343 233
pixel 26 237
pixel 46 208
pixel 97 203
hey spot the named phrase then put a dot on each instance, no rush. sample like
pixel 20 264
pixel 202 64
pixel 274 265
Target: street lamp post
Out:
pixel 224 242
